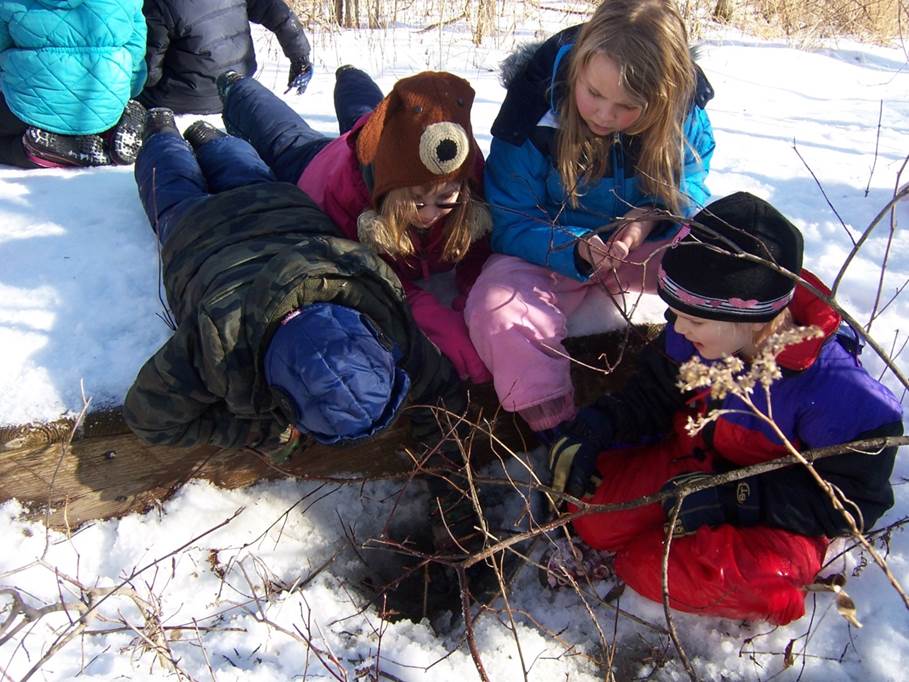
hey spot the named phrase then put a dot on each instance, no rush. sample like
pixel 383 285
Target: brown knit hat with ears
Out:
pixel 419 134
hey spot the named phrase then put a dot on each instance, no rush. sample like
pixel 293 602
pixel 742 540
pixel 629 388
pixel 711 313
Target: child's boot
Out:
pixel 54 150
pixel 126 138
pixel 201 132
pixel 224 81
pixel 159 120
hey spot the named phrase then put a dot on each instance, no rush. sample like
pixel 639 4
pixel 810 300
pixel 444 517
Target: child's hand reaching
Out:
pixel 596 253
pixel 629 236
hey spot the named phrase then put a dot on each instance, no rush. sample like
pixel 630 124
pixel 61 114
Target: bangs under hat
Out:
pixel 701 276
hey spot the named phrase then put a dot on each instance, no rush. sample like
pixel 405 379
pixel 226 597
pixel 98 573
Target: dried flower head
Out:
pixel 720 376
pixel 731 375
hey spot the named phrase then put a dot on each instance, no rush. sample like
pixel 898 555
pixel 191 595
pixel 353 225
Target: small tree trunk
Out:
pixel 483 20
pixel 723 10
pixel 373 15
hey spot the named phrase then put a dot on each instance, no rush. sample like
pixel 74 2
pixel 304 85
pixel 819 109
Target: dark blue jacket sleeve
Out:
pixel 278 18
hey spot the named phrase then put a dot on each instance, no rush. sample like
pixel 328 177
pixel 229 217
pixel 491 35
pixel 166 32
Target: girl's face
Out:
pixel 602 102
pixel 714 339
pixel 435 202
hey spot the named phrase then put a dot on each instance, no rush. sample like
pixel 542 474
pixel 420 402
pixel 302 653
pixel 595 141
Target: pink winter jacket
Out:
pixel 334 180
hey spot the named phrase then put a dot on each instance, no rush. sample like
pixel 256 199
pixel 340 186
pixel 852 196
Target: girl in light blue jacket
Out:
pixel 68 69
pixel 601 147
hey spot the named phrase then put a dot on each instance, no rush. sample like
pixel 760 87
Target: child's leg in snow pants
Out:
pixel 745 573
pixel 279 134
pixel 229 162
pixel 754 573
pixel 517 317
pixel 11 129
pixel 355 94
pixel 172 180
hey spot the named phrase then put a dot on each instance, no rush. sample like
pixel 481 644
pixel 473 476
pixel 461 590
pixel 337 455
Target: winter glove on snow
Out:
pixel 573 457
pixel 299 76
pixel 736 503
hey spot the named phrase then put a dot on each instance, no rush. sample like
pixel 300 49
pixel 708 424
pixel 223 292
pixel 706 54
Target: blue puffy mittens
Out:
pixel 736 503
pixel 573 456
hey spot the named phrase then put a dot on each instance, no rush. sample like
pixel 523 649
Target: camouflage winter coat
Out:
pixel 234 266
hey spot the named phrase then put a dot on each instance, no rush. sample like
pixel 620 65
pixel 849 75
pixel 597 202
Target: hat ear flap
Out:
pixel 371 132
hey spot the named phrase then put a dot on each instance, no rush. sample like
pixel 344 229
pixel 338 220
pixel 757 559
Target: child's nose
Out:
pixel 429 213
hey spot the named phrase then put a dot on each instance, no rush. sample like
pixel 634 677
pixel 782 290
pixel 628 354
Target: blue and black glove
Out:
pixel 573 456
pixel 736 503
pixel 299 76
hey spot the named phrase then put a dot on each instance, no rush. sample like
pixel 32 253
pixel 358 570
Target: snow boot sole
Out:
pixel 127 137
pixel 65 150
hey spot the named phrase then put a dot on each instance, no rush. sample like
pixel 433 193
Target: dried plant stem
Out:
pixel 64 449
pixel 664 578
pixel 897 196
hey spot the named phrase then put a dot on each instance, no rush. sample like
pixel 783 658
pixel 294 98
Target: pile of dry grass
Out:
pixel 806 21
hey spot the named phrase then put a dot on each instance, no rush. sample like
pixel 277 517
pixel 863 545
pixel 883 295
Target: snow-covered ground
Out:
pixel 822 134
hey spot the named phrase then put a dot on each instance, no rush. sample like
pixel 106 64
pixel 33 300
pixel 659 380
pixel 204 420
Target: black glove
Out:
pixel 736 503
pixel 299 76
pixel 573 457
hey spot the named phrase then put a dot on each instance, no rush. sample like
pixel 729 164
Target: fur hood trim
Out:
pixel 512 66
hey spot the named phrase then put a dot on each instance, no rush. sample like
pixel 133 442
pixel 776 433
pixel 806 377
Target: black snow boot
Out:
pixel 159 120
pixel 224 81
pixel 200 132
pixel 126 137
pixel 64 150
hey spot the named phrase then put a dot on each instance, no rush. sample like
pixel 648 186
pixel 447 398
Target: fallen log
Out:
pixel 69 475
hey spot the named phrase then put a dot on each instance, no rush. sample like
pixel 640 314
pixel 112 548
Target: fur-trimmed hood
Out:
pixel 534 76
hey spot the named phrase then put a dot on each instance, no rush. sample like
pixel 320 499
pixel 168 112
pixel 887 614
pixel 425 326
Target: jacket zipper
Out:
pixel 618 169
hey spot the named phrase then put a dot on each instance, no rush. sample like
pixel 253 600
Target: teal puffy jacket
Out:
pixel 70 66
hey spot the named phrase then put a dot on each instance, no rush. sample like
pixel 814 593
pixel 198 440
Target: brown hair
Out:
pixel 648 42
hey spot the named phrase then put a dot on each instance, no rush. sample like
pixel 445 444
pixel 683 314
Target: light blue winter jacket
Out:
pixel 70 66
pixel 532 217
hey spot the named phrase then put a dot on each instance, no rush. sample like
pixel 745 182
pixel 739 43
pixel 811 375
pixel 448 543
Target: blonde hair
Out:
pixel 782 321
pixel 398 212
pixel 648 42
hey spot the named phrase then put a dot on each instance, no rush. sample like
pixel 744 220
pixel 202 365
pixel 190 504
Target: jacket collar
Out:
pixel 808 309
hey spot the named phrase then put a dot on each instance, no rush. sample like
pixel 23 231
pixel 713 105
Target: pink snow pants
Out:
pixel 517 314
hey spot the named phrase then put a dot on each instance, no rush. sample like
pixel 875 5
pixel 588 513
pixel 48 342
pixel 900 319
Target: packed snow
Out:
pixel 262 583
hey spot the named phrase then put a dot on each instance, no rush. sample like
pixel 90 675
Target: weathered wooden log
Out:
pixel 103 471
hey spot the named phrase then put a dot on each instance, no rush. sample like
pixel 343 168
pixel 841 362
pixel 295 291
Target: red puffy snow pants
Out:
pixel 755 573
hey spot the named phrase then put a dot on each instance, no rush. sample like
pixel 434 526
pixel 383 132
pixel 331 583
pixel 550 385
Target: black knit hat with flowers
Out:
pixel 420 134
pixel 701 276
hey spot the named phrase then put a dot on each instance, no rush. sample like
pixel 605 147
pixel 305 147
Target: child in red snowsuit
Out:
pixel 744 549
